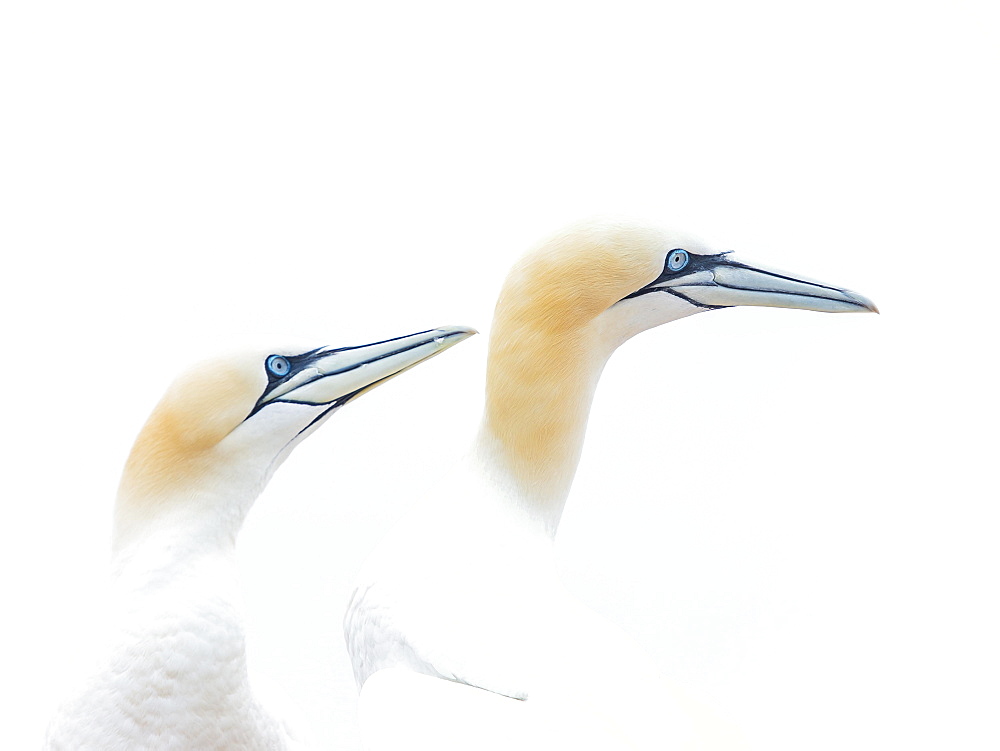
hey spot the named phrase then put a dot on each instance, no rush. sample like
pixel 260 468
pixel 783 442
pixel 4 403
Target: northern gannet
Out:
pixel 464 587
pixel 174 675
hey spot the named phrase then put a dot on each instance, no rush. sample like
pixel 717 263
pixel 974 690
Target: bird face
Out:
pixel 719 280
pixel 678 275
pixel 623 278
pixel 240 416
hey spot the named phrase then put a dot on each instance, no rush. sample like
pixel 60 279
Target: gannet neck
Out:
pixel 162 533
pixel 549 343
pixel 539 394
pixel 204 500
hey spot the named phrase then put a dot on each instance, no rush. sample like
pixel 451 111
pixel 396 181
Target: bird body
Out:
pixel 173 674
pixel 465 588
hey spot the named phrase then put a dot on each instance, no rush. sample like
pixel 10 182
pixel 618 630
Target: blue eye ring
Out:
pixel 278 366
pixel 677 259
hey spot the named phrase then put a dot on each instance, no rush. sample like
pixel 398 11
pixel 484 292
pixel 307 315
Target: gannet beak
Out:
pixel 720 281
pixel 335 376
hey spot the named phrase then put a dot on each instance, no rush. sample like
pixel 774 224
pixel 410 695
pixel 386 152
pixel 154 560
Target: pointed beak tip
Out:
pixel 868 305
pixel 460 332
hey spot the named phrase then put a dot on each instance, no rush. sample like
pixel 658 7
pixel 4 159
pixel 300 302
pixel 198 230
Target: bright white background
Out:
pixel 795 513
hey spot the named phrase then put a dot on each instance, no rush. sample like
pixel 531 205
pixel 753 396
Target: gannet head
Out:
pixel 570 302
pixel 627 277
pixel 225 425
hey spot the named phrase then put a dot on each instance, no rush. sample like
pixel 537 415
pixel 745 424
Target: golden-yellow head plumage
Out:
pixel 180 439
pixel 577 274
pixel 543 354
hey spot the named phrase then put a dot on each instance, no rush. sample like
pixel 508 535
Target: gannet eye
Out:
pixel 677 260
pixel 278 366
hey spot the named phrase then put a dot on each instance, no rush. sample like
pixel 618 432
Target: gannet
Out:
pixel 174 675
pixel 464 587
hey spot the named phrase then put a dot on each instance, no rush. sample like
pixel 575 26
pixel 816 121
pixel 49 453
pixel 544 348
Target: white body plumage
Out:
pixel 175 672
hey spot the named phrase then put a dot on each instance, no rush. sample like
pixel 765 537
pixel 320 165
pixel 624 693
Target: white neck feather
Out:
pixel 205 510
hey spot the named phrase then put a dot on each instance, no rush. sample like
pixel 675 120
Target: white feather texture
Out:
pixel 175 676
